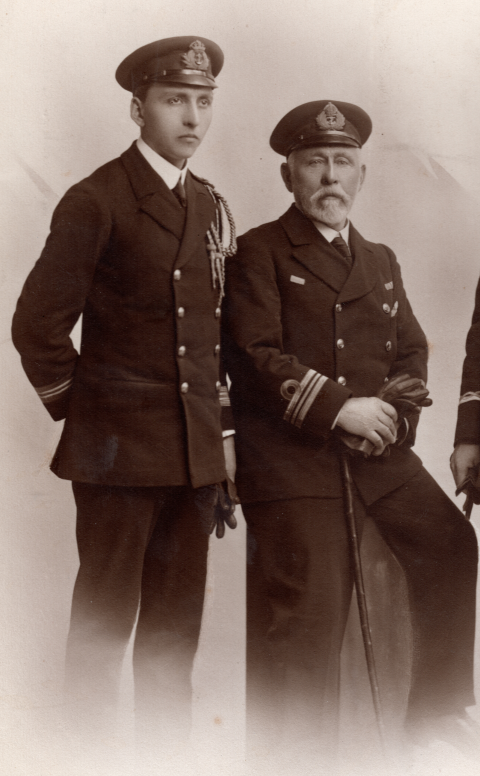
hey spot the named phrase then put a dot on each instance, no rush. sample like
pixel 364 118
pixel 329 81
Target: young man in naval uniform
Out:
pixel 317 321
pixel 136 248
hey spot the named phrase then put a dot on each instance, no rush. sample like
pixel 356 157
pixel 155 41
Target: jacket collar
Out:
pixel 155 198
pixel 312 250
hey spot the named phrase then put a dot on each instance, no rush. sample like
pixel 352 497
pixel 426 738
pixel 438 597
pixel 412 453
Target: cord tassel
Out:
pixel 215 245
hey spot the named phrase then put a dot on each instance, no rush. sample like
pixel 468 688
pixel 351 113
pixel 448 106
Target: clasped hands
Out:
pixel 372 422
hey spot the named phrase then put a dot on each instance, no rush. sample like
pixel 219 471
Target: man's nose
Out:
pixel 329 175
pixel 190 117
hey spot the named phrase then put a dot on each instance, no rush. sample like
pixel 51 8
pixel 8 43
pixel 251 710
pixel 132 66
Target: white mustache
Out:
pixel 316 198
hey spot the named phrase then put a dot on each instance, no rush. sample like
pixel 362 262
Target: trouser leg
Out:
pixel 437 550
pixel 168 628
pixel 299 585
pixel 135 543
pixel 113 528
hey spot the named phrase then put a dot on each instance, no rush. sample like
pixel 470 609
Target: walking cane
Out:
pixel 360 588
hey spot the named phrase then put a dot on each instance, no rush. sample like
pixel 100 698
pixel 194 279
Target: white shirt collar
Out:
pixel 167 171
pixel 330 233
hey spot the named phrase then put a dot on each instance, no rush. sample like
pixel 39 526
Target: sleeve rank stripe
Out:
pixel 469 396
pixel 223 396
pixel 304 397
pixel 49 393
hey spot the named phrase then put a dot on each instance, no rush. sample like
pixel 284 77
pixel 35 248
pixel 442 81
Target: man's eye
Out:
pixel 174 100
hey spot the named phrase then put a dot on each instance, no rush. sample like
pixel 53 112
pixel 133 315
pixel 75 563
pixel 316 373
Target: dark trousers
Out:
pixel 142 552
pixel 300 582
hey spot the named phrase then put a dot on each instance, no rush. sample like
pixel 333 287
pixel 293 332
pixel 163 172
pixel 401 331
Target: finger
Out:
pixel 398 385
pixel 376 441
pixel 231 521
pixel 407 385
pixel 388 433
pixel 220 532
pixel 389 410
pixel 418 390
pixel 400 378
pixel 415 396
pixel 385 423
pixel 379 450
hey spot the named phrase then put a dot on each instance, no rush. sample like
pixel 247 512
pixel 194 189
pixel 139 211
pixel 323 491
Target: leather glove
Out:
pixel 216 506
pixel 407 394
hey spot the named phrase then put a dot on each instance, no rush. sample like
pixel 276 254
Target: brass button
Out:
pixel 217 349
pixel 181 312
pixel 388 346
pixel 184 388
pixel 341 381
pixel 386 308
pixel 182 350
pixel 177 274
pixel 218 385
pixel 338 308
pixel 386 380
pixel 340 344
pixel 218 312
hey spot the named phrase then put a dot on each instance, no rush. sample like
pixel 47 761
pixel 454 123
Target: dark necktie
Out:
pixel 341 246
pixel 179 191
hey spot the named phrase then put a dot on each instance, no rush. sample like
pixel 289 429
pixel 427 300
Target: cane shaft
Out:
pixel 360 588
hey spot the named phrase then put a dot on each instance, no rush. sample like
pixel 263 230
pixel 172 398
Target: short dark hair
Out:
pixel 142 91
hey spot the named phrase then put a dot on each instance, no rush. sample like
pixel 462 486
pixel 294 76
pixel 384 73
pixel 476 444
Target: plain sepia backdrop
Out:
pixel 414 67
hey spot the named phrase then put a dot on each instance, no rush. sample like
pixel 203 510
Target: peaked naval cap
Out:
pixel 182 60
pixel 322 122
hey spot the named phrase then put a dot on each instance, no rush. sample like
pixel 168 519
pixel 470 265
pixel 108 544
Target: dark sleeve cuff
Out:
pixel 468 424
pixel 325 408
pixel 58 408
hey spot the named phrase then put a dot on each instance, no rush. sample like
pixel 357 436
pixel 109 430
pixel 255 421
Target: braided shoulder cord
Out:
pixel 215 235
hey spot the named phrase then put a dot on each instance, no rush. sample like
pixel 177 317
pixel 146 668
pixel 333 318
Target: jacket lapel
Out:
pixel 363 276
pixel 153 195
pixel 312 250
pixel 200 214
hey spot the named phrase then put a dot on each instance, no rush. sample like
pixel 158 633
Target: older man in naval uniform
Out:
pixel 317 321
pixel 136 248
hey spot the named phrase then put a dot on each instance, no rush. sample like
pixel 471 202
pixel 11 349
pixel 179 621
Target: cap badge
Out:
pixel 196 58
pixel 330 118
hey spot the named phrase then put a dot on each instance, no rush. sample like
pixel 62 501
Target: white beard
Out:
pixel 330 211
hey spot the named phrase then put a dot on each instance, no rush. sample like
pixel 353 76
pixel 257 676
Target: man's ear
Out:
pixel 136 111
pixel 286 175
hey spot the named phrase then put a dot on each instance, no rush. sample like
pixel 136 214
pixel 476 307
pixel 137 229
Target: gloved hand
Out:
pixel 407 394
pixel 216 506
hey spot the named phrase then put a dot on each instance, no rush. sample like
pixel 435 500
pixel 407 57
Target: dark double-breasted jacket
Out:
pixel 141 400
pixel 302 335
pixel 468 420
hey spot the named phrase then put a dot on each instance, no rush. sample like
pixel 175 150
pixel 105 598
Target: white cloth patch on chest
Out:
pixel 300 281
pixel 389 286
